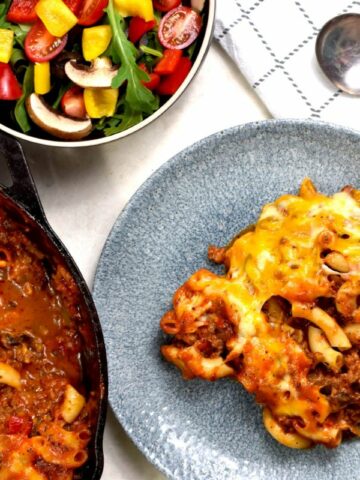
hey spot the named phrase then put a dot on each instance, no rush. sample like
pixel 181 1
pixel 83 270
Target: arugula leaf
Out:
pixel 128 119
pixel 151 51
pixel 138 98
pixel 124 119
pixel 21 115
pixel 152 41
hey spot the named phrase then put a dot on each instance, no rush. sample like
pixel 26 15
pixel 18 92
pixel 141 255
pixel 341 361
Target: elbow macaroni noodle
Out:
pixel 9 376
pixel 284 320
pixel 72 405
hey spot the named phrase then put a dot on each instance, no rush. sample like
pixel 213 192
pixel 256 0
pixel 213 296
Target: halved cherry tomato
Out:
pixel 72 102
pixel 41 46
pixel 138 27
pixel 179 28
pixel 165 5
pixel 22 11
pixel 9 86
pixel 154 78
pixel 74 5
pixel 16 425
pixel 91 11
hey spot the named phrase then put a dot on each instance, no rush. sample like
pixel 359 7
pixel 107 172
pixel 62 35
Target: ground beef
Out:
pixel 343 388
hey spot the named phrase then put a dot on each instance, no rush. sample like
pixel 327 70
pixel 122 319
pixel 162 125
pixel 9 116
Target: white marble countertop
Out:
pixel 84 190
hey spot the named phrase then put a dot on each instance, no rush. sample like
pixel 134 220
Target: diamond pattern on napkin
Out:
pixel 314 90
pixel 290 37
pixel 273 43
pixel 264 57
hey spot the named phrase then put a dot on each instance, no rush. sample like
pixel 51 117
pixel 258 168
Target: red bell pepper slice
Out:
pixel 22 11
pixel 153 82
pixel 9 86
pixel 170 83
pixel 169 63
pixel 154 78
pixel 138 27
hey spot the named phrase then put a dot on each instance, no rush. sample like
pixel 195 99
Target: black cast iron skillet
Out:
pixel 22 200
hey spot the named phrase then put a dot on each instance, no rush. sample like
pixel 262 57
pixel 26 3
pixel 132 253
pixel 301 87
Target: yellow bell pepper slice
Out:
pixel 100 102
pixel 56 16
pixel 135 8
pixel 6 44
pixel 95 41
pixel 42 78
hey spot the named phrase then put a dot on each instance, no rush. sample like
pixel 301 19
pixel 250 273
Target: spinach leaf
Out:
pixel 138 99
pixel 21 115
pixel 4 7
pixel 20 33
pixel 17 56
pixel 19 29
pixel 61 90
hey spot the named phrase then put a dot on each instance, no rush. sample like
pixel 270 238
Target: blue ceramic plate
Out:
pixel 195 429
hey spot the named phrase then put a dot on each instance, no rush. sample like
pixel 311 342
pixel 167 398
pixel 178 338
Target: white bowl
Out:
pixel 207 36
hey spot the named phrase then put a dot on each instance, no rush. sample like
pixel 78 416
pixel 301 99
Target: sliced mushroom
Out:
pixel 98 75
pixel 56 123
pixel 198 5
pixel 58 67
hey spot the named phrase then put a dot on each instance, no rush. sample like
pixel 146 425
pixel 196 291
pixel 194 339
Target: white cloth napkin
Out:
pixel 273 44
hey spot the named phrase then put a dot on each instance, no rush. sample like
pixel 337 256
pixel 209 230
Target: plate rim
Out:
pixel 126 210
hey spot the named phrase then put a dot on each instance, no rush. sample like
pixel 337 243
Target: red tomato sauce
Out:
pixel 40 320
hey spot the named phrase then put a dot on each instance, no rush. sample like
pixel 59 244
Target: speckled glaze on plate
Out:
pixel 195 429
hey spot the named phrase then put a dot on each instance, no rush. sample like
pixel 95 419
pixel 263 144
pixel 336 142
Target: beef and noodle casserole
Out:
pixel 47 414
pixel 284 320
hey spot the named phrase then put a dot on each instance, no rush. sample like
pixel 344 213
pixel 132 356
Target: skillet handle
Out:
pixel 23 188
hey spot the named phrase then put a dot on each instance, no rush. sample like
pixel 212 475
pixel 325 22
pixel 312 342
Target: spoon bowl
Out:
pixel 338 52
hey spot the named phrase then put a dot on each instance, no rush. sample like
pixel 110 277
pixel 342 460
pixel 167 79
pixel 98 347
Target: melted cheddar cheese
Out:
pixel 303 252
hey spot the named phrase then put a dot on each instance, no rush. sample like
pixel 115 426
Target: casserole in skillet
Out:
pixel 53 379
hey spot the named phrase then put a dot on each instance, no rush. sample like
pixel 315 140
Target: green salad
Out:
pixel 74 68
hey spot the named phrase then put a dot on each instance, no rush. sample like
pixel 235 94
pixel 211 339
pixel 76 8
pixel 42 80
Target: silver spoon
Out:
pixel 338 52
